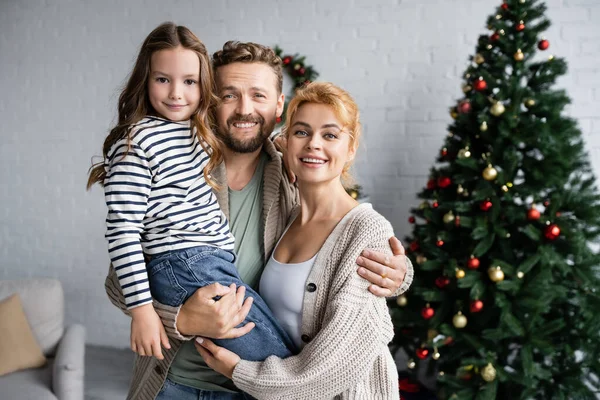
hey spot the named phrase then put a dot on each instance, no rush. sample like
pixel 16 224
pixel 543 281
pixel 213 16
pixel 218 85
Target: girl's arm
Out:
pixel 126 190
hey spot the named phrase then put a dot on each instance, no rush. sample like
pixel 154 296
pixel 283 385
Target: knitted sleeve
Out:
pixel 356 330
pixel 408 278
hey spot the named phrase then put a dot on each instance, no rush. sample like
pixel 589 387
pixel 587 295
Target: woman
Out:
pixel 310 281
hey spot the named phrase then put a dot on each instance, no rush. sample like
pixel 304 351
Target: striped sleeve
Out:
pixel 126 190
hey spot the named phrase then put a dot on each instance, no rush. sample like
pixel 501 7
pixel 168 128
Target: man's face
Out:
pixel 250 105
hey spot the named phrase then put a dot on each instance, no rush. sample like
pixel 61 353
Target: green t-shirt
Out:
pixel 245 221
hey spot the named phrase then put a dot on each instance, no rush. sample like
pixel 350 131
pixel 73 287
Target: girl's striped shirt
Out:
pixel 158 201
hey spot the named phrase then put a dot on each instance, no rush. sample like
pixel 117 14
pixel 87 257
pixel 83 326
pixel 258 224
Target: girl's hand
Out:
pixel 218 358
pixel 148 332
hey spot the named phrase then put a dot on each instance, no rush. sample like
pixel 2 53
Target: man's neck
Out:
pixel 240 167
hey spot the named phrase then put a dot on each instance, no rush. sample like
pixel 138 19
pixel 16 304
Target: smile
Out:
pixel 312 161
pixel 244 125
pixel 175 106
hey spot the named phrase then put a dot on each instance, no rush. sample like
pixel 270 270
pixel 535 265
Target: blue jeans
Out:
pixel 176 275
pixel 171 390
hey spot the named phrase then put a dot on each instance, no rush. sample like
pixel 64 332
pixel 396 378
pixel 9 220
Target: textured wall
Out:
pixel 63 62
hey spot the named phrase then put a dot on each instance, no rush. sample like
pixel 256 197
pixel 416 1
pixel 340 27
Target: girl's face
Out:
pixel 173 83
pixel 318 147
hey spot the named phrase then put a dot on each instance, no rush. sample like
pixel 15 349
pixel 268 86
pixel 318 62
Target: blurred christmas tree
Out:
pixel 507 279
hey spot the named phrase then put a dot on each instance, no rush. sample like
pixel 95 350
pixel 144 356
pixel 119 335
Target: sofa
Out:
pixel 62 375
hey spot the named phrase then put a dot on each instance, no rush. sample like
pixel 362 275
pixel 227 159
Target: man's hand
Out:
pixel 384 272
pixel 281 146
pixel 218 358
pixel 201 315
pixel 147 332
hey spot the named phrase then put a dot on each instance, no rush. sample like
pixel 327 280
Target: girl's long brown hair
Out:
pixel 134 103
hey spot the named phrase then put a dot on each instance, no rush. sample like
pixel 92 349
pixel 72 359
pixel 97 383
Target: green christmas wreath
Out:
pixel 301 74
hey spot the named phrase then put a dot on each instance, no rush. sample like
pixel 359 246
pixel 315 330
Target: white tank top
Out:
pixel 282 287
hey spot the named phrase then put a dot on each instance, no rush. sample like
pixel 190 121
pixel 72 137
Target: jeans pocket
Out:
pixel 164 285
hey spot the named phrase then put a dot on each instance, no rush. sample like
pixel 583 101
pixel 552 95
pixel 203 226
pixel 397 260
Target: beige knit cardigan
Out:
pixel 346 329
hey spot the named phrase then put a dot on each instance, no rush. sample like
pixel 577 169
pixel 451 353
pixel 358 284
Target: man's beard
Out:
pixel 265 128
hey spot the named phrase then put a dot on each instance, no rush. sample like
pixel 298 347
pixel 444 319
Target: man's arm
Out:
pixel 200 315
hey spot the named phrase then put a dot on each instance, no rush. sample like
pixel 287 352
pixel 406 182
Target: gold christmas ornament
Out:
pixel 411 364
pixel 460 189
pixel 490 173
pixel 466 88
pixel 464 153
pixel 504 188
pixel 424 205
pixel 496 274
pixel 449 217
pixel 519 56
pixel 460 273
pixel 550 58
pixel 498 16
pixel 479 59
pixel 520 274
pixel 529 103
pixel 483 127
pixel 453 113
pixel 497 109
pixel 436 355
pixel 421 259
pixel 489 47
pixel 488 373
pixel 441 373
pixel 401 300
pixel 459 321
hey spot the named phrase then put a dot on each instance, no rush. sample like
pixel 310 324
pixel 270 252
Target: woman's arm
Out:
pixel 355 331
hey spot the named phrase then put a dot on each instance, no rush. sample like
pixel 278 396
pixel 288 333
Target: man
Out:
pixel 257 198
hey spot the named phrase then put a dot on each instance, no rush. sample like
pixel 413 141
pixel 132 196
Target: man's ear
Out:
pixel 280 104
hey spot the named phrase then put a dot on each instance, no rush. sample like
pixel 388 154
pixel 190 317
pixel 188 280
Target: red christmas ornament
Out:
pixel 444 182
pixel 520 27
pixel 444 152
pixel 533 214
pixel 476 306
pixel 286 60
pixel 427 312
pixel 457 221
pixel 408 386
pixel 422 353
pixel 301 71
pixel 440 243
pixel 504 6
pixel 485 205
pixel 414 246
pixel 480 85
pixel 546 203
pixel 558 214
pixel 552 232
pixel 473 263
pixel 543 44
pixel 495 36
pixel 435 204
pixel 431 184
pixel 442 281
pixel 466 377
pixel 464 107
pixel 412 219
pixel 448 340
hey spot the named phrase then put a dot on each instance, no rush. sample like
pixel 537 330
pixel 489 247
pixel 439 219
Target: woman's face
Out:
pixel 318 146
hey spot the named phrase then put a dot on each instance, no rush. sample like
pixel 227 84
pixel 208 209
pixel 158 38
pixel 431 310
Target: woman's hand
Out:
pixel 218 358
pixel 384 272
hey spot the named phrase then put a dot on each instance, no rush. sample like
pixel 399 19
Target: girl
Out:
pixel 158 190
pixel 310 280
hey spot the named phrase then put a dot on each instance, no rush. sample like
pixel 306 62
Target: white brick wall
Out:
pixel 63 61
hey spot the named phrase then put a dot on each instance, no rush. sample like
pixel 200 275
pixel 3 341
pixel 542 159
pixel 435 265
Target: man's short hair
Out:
pixel 234 51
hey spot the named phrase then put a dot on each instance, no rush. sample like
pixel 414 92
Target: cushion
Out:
pixel 43 303
pixel 18 348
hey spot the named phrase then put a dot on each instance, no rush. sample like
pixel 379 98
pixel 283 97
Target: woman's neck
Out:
pixel 324 201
